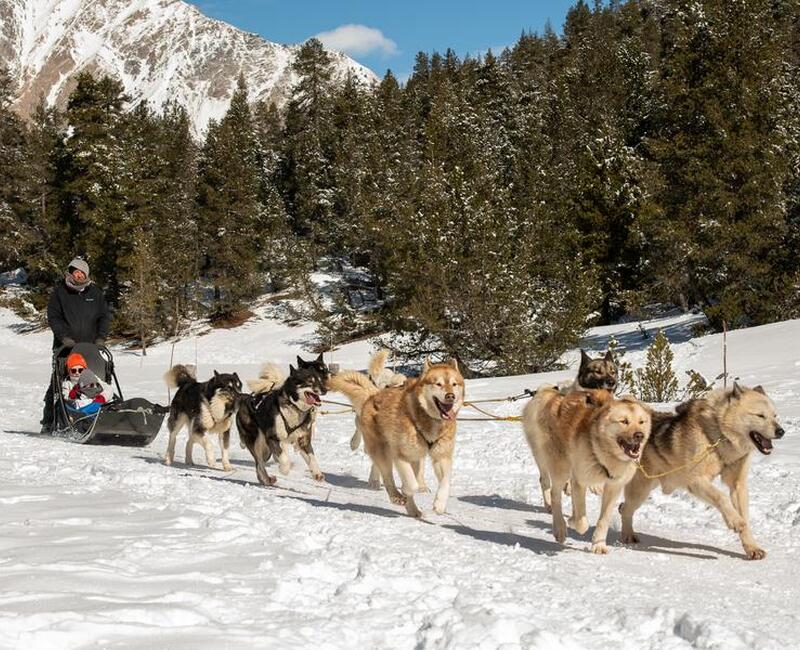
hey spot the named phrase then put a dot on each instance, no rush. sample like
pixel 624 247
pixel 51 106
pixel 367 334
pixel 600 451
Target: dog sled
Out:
pixel 131 422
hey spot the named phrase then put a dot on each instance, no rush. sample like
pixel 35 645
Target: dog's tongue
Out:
pixel 312 398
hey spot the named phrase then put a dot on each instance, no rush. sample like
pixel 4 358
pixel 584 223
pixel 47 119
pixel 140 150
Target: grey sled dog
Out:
pixel 706 438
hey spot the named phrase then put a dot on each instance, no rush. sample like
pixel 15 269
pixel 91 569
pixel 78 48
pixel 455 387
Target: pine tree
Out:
pixel 140 296
pixel 657 381
pixel 307 182
pixel 93 203
pixel 229 210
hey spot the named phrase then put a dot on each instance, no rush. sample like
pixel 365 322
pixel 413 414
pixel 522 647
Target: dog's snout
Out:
pixel 779 432
pixel 638 436
pixel 450 397
pixel 611 383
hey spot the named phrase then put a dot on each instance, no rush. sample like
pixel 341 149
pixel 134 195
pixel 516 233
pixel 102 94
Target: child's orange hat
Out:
pixel 74 360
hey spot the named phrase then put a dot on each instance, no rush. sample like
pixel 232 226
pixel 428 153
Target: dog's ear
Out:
pixel 585 358
pixel 609 356
pixel 320 359
pixel 737 391
pixel 300 362
pixel 292 368
pixel 238 381
pixel 453 364
pixel 426 365
pixel 216 374
pixel 760 389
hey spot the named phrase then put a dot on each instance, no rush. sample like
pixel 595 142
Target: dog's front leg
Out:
pixel 735 477
pixel 419 472
pixel 611 492
pixel 374 482
pixel 208 447
pixel 703 489
pixel 307 453
pixel 557 484
pixel 409 485
pixel 224 445
pixel 443 468
pixel 578 521
pixel 636 493
pixel 284 463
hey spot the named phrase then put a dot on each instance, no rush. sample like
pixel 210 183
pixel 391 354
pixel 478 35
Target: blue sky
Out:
pixel 382 34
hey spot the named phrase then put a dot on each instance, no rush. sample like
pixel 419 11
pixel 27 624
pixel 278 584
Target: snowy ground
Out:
pixel 107 547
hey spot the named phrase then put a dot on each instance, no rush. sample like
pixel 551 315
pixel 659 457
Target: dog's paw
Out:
pixel 579 525
pixel 599 548
pixel 560 531
pixel 628 538
pixel 398 498
pixel 167 460
pixel 737 524
pixel 755 553
pixel 227 467
pixel 319 476
pixel 412 510
pixel 284 468
pixel 439 507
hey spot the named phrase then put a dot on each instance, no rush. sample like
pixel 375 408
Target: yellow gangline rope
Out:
pixel 692 463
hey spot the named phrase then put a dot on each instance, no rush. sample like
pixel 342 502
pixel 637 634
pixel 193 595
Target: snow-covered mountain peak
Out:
pixel 159 49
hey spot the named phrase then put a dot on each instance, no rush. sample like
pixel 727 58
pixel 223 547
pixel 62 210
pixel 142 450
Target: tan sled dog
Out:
pixel 590 438
pixel 707 438
pixel 403 425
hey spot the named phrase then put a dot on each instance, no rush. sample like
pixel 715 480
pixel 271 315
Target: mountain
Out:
pixel 159 50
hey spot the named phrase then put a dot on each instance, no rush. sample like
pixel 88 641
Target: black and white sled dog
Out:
pixel 203 408
pixel 282 411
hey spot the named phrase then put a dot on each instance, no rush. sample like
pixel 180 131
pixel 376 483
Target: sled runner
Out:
pixel 134 422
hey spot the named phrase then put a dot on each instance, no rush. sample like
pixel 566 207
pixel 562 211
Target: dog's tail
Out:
pixel 377 363
pixel 180 375
pixel 270 378
pixel 356 386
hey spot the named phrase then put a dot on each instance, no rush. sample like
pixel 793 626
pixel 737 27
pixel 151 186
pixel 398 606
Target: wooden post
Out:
pixel 724 354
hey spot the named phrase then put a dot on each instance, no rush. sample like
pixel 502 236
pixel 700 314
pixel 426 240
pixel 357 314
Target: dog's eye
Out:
pixel 625 421
pixel 761 415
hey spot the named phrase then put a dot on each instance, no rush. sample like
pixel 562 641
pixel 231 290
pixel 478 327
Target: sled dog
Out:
pixel 282 411
pixel 589 438
pixel 599 373
pixel 203 408
pixel 401 426
pixel 383 377
pixel 705 438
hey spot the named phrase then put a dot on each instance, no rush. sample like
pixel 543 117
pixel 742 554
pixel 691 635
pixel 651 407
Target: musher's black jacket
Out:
pixel 80 315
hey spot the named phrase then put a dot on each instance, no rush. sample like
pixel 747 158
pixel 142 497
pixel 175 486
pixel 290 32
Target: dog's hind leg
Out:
pixel 419 472
pixel 410 486
pixel 611 492
pixel 703 489
pixel 443 468
pixel 261 454
pixel 579 522
pixel 175 423
pixel 374 482
pixel 307 453
pixel 355 441
pixel 636 493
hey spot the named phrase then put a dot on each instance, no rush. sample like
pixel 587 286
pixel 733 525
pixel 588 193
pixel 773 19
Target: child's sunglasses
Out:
pixel 76 371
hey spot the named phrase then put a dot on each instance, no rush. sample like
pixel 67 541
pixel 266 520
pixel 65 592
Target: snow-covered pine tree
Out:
pixel 230 212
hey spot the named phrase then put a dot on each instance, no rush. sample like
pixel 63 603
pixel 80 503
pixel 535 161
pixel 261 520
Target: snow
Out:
pixel 108 547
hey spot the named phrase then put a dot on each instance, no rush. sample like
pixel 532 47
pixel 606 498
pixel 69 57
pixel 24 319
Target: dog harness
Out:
pixel 301 424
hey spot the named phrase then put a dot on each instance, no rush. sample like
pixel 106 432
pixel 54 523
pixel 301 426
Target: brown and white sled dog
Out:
pixel 589 438
pixel 737 421
pixel 282 411
pixel 203 408
pixel 401 426
pixel 383 377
